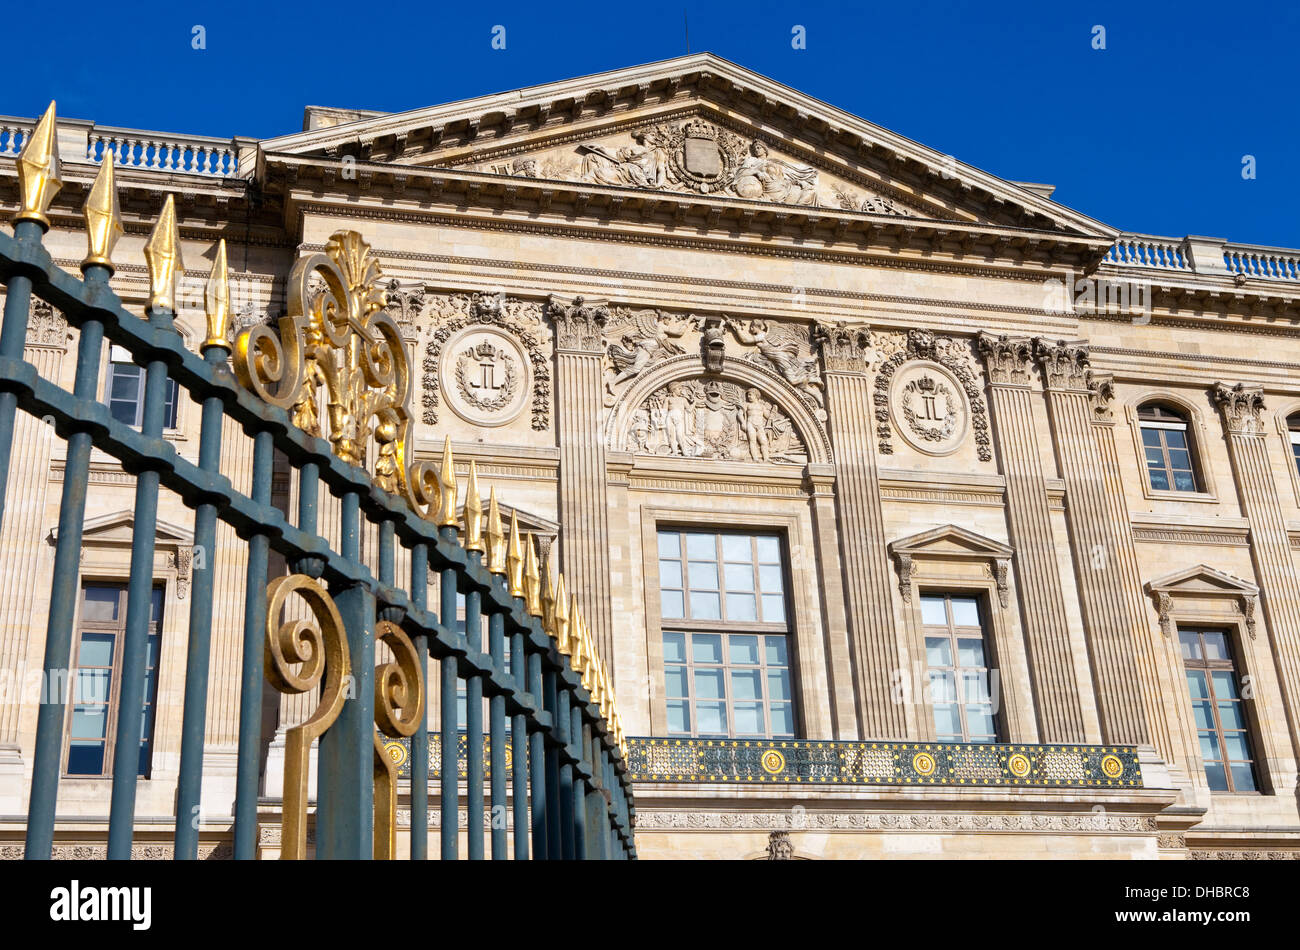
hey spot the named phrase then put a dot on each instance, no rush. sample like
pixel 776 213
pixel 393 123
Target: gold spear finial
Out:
pixel 575 624
pixel 473 512
pixel 548 603
pixel 532 578
pixel 515 559
pixel 562 617
pixel 162 252
pixel 578 646
pixel 496 537
pixel 216 301
pixel 447 489
pixel 38 171
pixel 588 661
pixel 103 218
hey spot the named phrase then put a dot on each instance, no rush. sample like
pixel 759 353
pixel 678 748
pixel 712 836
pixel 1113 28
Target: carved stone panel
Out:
pixel 713 419
pixel 950 354
pixel 485 376
pixel 930 408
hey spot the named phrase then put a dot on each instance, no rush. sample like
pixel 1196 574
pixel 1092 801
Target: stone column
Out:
pixel 24 558
pixel 1101 540
pixel 869 595
pixel 820 483
pixel 1009 361
pixel 584 518
pixel 1270 549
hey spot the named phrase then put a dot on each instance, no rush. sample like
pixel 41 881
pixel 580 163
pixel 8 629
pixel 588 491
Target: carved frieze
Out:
pixel 1241 406
pixel 713 419
pixel 522 337
pixel 953 356
pixel 579 324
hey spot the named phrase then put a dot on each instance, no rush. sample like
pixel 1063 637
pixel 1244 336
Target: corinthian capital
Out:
pixel 1008 358
pixel 845 347
pixel 1065 364
pixel 579 325
pixel 1241 406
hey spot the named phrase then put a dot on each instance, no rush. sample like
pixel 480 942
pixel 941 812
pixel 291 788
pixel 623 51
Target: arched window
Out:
pixel 1166 441
pixel 1293 432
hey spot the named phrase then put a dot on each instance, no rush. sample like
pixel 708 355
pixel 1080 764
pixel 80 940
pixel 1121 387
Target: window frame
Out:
pixel 1289 435
pixel 1209 667
pixel 1160 417
pixel 171 421
pixel 953 632
pixel 113 704
pixel 1206 491
pixel 789 628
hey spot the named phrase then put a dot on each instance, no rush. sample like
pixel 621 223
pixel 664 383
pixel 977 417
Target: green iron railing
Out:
pixel 337 348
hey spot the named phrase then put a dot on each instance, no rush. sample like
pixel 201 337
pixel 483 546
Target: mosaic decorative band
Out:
pixel 790 761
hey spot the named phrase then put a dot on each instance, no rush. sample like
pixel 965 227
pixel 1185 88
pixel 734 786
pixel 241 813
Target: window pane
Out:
pixel 782 719
pixel 706 648
pixel 778 684
pixel 1155 458
pixel 670 573
pixel 701 546
pixel 741 607
pixel 1204 716
pixel 1225 684
pixel 745 684
pixel 675 682
pixel 1234 747
pixel 938 651
pixel 933 612
pixel 709 684
pixel 975 687
pixel 744 649
pixel 970 652
pixel 965 612
pixel 703 575
pixel 1159 480
pixel 943 687
pixel 769 550
pixel 769 578
pixel 169 405
pixel 1190 643
pixel 749 719
pixel 670 544
pixel 99 604
pixel 712 718
pixel 1215 777
pixel 1209 747
pixel 1175 439
pixel 773 608
pixel 1230 716
pixel 1216 645
pixel 1183 481
pixel 739 577
pixel 1179 458
pixel 705 606
pixel 1243 778
pixel 124 384
pixel 92 686
pixel 1196 683
pixel 679 716
pixel 1150 437
pixel 96 649
pixel 671 603
pixel 735 547
pixel 776 651
pixel 979 719
pixel 675 647
pixel 946 720
pixel 90 722
pixel 85 758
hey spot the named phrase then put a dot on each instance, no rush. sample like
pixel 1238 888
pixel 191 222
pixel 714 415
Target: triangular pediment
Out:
pixel 1202 579
pixel 950 541
pixel 118 528
pixel 695 126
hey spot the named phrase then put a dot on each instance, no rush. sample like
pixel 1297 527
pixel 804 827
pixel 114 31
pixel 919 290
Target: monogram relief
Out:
pixel 908 388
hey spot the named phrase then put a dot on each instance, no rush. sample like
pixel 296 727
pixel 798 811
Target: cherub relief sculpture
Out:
pixel 762 177
pixel 780 348
pixel 713 419
pixel 652 336
pixel 642 165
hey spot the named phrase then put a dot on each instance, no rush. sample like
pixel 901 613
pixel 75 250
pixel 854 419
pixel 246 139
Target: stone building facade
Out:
pixel 915 513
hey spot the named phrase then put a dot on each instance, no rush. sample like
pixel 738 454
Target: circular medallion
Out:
pixel 485 376
pixel 510 757
pixel 929 407
pixel 397 752
pixel 772 762
pixel 923 764
pixel 1111 766
pixel 1018 765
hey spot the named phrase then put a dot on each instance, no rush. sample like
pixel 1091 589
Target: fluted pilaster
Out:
pixel 1051 662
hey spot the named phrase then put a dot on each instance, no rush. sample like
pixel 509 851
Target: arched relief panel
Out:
pixel 725 405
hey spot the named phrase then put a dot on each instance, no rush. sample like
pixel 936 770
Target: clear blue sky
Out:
pixel 1148 134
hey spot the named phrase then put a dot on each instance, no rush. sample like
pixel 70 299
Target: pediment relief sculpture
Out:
pixel 786 348
pixel 487 353
pixel 640 338
pixel 714 419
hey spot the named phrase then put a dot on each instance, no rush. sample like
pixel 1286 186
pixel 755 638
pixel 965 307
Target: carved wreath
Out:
pixel 508 388
pixel 930 433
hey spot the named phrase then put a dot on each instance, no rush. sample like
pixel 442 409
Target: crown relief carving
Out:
pixel 954 355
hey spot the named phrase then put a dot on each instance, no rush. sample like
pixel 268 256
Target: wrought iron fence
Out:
pixel 329 390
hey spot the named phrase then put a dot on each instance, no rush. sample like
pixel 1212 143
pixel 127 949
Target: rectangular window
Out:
pixel 959 677
pixel 94 706
pixel 726 635
pixel 124 391
pixel 1218 709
